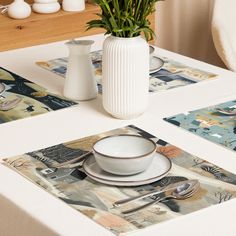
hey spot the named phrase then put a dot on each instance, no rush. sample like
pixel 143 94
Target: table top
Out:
pixel 90 118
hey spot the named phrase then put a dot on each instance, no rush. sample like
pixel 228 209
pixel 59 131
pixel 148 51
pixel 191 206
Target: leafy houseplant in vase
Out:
pixel 125 65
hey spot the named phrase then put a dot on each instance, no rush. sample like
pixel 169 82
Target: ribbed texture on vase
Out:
pixel 125 76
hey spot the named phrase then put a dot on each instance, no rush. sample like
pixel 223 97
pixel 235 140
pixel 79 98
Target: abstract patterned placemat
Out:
pixel 215 123
pixel 21 98
pixel 172 75
pixel 95 200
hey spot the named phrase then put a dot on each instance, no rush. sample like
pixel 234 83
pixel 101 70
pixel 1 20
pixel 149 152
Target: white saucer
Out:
pixel 155 64
pixel 2 88
pixel 158 169
pixel 226 112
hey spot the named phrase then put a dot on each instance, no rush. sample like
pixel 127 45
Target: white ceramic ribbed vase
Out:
pixel 125 72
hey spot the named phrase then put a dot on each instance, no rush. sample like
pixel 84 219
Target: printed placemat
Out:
pixel 172 75
pixel 95 200
pixel 215 123
pixel 21 98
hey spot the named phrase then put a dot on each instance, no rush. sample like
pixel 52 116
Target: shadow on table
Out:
pixel 96 105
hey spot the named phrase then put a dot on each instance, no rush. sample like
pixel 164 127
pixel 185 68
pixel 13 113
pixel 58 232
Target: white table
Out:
pixel 25 209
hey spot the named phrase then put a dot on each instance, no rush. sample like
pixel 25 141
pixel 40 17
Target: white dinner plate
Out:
pixel 228 112
pixel 156 64
pixel 158 169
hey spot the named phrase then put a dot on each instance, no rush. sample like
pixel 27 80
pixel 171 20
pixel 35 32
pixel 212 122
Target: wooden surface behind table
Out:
pixel 45 28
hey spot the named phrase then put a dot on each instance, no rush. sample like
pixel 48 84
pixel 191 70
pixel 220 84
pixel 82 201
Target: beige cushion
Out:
pixel 224 31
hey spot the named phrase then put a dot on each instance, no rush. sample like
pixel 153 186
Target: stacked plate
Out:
pixel 155 63
pixel 158 169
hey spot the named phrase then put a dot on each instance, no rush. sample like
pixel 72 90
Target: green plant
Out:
pixel 124 18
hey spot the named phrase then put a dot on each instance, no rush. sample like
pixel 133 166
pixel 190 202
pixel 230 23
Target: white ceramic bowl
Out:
pixel 124 154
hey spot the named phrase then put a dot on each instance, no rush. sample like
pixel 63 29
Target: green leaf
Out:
pixel 124 18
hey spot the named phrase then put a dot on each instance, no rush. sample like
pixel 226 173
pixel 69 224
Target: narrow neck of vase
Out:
pixel 80 47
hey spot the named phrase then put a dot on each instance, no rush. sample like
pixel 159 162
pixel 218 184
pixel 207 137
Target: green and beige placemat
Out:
pixel 172 75
pixel 215 123
pixel 21 98
pixel 95 200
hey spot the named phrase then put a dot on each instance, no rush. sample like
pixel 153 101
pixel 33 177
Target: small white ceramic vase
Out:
pixel 19 9
pixel 46 6
pixel 73 5
pixel 80 83
pixel 125 72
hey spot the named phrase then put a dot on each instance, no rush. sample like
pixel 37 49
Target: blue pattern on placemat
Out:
pixel 216 123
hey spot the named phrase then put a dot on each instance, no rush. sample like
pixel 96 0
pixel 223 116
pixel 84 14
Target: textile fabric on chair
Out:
pixel 224 31
pixel 184 26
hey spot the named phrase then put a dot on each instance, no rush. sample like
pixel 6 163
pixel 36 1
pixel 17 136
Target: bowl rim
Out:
pixel 121 158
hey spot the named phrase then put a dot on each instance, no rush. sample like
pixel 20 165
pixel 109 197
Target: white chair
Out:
pixel 224 31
